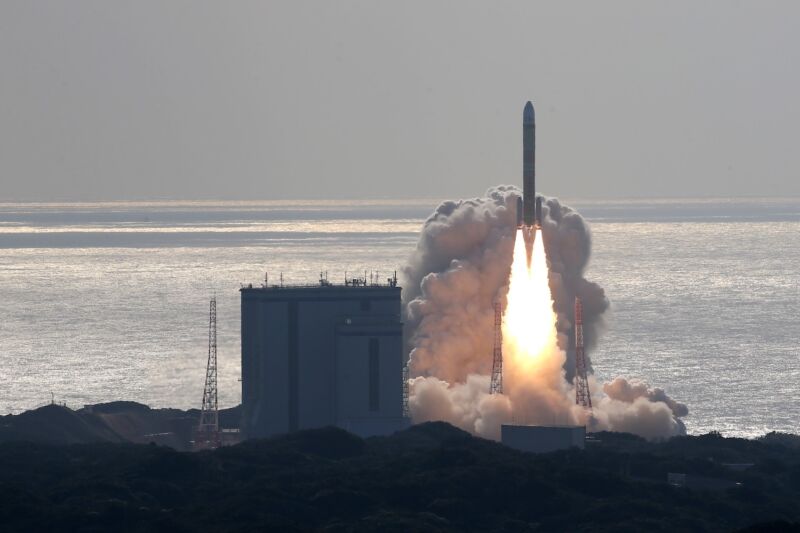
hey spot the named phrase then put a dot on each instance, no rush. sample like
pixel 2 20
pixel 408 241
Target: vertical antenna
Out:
pixel 582 395
pixel 208 434
pixel 497 354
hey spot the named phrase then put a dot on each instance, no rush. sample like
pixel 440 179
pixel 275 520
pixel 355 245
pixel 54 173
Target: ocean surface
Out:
pixel 109 301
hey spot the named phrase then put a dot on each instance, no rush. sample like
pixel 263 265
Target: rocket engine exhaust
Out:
pixel 454 279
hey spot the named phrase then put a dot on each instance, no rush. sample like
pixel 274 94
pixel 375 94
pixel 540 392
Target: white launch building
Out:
pixel 322 355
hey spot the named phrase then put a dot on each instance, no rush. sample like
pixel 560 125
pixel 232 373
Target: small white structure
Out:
pixel 543 439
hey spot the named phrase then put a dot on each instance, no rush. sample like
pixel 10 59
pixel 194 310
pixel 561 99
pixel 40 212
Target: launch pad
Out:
pixel 542 439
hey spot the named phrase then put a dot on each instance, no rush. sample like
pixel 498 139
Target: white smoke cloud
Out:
pixel 460 266
pixel 467 405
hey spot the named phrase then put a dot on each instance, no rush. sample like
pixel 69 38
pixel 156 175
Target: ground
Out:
pixel 431 477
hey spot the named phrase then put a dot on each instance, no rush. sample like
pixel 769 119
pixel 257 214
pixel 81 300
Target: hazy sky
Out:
pixel 268 100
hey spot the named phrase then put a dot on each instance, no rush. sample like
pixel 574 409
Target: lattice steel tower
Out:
pixel 208 434
pixel 582 395
pixel 497 353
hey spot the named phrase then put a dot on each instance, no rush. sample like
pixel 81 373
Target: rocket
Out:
pixel 528 165
pixel 530 204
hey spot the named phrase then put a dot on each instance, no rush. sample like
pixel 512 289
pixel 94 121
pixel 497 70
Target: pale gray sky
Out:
pixel 262 100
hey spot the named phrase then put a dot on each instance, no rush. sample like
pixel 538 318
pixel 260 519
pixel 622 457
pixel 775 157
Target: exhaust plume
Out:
pixel 462 264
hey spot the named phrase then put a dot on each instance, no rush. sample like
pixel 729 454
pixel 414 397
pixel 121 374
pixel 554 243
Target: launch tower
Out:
pixel 497 357
pixel 582 395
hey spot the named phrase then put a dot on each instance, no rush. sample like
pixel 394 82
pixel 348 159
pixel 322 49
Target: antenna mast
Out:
pixel 208 434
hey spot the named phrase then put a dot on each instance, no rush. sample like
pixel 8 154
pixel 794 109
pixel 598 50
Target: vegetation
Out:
pixel 431 477
pixel 108 422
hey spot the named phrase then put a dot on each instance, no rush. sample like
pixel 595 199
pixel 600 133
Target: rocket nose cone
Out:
pixel 528 116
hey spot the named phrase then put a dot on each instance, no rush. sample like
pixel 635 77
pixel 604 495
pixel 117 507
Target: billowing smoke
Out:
pixel 459 269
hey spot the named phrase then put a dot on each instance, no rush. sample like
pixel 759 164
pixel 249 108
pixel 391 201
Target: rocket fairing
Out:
pixel 529 205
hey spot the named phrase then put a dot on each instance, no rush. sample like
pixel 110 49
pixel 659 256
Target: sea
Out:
pixel 109 301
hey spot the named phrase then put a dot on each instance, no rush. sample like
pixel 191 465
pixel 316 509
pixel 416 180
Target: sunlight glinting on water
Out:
pixel 319 226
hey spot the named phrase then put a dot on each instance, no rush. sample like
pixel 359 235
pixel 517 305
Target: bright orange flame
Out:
pixel 529 322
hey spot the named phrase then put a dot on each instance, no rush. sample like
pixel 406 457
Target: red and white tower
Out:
pixel 497 353
pixel 582 395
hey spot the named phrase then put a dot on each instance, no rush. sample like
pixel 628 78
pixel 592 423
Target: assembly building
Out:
pixel 322 355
